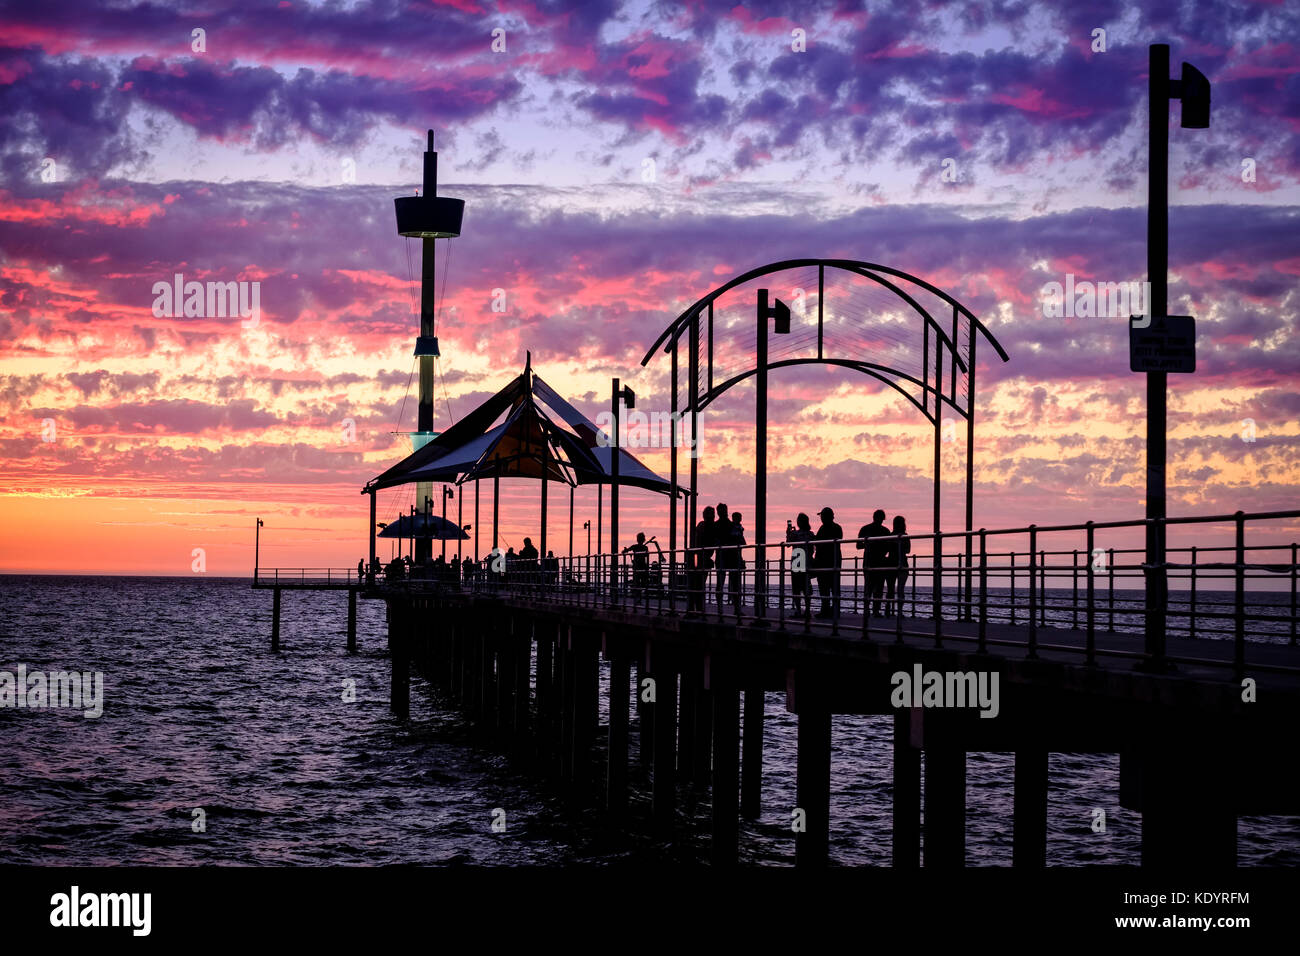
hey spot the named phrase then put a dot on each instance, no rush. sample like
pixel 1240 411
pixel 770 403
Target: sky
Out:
pixel 617 163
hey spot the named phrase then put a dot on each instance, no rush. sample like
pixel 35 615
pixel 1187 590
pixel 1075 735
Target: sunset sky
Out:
pixel 617 161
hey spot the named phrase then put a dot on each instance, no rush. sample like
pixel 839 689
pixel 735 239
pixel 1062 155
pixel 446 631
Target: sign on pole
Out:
pixel 1162 344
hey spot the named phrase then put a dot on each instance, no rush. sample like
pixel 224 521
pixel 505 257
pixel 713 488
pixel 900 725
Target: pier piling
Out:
pixel 275 621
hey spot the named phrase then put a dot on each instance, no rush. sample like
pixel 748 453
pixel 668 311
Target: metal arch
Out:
pixel 866 368
pixel 674 331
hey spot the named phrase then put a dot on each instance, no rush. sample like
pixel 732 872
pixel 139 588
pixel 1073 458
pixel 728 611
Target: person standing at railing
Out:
pixel 877 562
pixel 801 557
pixel 896 577
pixel 726 556
pixel 828 560
pixel 640 565
pixel 701 560
pixel 528 561
pixel 738 565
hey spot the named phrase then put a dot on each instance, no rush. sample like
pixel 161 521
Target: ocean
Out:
pixel 295 759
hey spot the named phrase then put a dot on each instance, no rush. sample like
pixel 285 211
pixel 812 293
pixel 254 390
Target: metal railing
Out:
pixel 1005 585
pixel 291 576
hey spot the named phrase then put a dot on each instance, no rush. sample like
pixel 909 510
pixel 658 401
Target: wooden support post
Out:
pixel 751 780
pixel 275 621
pixel 703 734
pixel 616 778
pixel 907 795
pixel 664 715
pixel 522 651
pixel 813 783
pixel 1029 845
pixel 645 718
pixel 726 773
pixel 564 672
pixel 352 620
pixel 945 802
pixel 546 690
pixel 398 652
pixel 1188 819
pixel 585 690
pixel 505 690
pixel 686 724
pixel 486 697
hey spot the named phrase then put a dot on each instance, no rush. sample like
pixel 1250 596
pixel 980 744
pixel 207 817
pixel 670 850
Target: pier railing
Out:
pixel 287 577
pixel 1238 583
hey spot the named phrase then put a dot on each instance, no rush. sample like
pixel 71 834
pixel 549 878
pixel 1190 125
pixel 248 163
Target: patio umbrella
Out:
pixel 424 526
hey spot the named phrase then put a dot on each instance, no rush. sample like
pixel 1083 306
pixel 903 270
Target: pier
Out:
pixel 1204 729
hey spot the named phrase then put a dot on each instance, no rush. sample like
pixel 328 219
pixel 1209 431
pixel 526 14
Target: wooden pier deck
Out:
pixel 1202 740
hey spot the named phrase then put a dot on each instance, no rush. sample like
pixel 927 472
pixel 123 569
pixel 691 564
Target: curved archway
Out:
pixel 874 319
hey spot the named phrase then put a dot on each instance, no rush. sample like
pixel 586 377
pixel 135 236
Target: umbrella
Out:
pixel 424 526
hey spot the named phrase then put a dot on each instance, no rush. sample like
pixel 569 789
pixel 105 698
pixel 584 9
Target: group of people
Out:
pixel 719 537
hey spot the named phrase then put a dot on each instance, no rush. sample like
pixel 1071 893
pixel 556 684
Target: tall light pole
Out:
pixel 628 399
pixel 428 217
pixel 446 493
pixel 780 313
pixel 257 548
pixel 1194 91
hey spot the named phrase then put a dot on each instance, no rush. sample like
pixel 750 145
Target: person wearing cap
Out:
pixel 827 560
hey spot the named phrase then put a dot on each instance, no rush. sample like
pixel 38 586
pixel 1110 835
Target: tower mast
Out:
pixel 427 217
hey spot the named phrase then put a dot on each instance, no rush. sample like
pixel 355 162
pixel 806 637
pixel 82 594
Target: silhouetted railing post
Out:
pixel 780 601
pixel 984 586
pixel 1110 569
pixel 1033 592
pixel 914 585
pixel 1013 588
pixel 1092 610
pixel 1191 614
pixel 1074 601
pixel 938 588
pixel 1239 615
pixel 1293 590
pixel 1042 588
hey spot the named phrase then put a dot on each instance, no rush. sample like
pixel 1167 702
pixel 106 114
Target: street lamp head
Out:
pixel 629 397
pixel 1195 94
pixel 259 523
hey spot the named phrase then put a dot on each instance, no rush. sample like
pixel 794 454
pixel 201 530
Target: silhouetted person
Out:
pixel 801 556
pixel 361 570
pixel 726 556
pixel 827 560
pixel 877 562
pixel 704 540
pixel 528 561
pixel 900 547
pixel 737 538
pixel 640 564
pixel 551 568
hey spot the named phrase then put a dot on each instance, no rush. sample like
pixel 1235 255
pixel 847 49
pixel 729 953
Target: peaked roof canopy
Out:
pixel 526 444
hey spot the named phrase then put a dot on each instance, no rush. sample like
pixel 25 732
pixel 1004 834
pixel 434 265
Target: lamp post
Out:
pixel 460 519
pixel 257 549
pixel 1194 91
pixel 446 493
pixel 587 525
pixel 628 399
pixel 779 312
